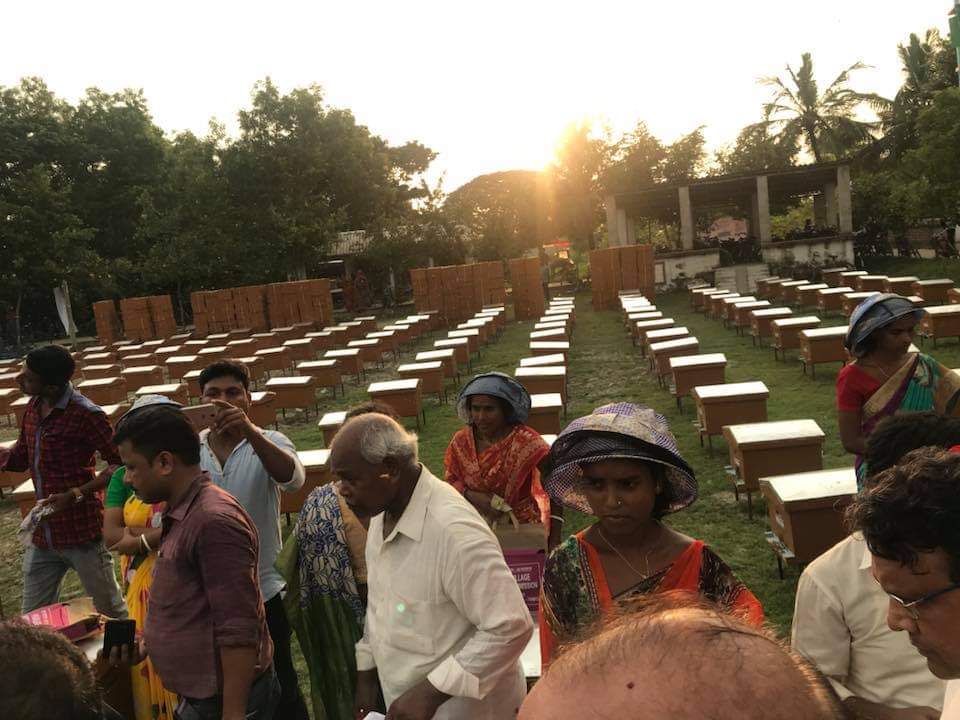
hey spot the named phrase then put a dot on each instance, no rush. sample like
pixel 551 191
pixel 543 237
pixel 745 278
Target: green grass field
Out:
pixel 605 367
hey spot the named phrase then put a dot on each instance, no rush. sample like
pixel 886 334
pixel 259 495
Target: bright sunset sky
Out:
pixel 489 85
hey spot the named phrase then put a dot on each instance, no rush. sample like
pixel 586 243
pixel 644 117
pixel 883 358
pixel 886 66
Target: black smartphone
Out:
pixel 118 633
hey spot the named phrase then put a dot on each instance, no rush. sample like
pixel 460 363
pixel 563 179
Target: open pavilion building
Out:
pixel 751 196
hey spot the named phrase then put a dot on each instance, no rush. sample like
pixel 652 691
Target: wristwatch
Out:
pixel 78 494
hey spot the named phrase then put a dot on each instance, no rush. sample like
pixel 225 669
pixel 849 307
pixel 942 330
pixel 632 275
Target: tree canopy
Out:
pixel 96 194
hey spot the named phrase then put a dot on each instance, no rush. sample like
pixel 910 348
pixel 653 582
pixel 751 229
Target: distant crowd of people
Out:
pixel 397 588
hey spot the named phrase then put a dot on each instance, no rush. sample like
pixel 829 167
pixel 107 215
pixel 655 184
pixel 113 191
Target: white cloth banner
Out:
pixel 62 296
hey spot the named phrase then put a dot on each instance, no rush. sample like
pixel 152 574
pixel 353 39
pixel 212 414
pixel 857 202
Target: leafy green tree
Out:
pixel 582 160
pixel 685 158
pixel 300 172
pixel 42 242
pixel 638 161
pixel 116 155
pixel 506 213
pixel 928 66
pixel 757 150
pixel 932 169
pixel 825 121
pixel 427 233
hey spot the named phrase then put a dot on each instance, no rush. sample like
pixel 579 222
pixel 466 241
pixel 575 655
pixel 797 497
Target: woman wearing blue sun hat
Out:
pixel 887 374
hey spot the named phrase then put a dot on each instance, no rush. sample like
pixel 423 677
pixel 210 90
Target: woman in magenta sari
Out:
pixel 493 460
pixel 886 376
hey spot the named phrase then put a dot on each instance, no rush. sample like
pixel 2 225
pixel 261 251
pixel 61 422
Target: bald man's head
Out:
pixel 677 657
pixel 369 456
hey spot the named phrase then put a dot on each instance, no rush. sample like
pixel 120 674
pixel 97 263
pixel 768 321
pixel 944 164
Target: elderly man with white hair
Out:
pixel 446 622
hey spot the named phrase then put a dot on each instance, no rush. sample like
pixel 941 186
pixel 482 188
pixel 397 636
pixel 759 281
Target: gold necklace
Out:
pixel 646 558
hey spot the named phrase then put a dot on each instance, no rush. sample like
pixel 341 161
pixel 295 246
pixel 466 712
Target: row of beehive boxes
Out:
pixel 782 459
pixel 108 375
pixel 838 282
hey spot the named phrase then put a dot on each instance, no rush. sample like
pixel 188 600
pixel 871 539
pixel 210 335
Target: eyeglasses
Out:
pixel 911 607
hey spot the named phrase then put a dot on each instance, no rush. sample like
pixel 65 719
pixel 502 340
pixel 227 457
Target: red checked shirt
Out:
pixel 59 452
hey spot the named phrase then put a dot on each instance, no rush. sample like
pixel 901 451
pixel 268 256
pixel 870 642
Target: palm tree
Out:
pixel 825 121
pixel 928 67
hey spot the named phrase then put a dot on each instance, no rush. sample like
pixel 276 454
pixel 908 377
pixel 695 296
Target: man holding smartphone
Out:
pixel 255 466
pixel 206 631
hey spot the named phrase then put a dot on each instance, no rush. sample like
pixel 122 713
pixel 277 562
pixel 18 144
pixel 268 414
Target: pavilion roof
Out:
pixel 661 201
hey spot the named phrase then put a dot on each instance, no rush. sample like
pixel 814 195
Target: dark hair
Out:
pixel 897 435
pixel 225 368
pixel 53 364
pixel 45 676
pixel 374 406
pixel 159 428
pixel 667 495
pixel 912 507
pixel 506 408
pixel 869 343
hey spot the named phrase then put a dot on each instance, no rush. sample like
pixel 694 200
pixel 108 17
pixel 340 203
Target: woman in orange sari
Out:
pixel 493 461
pixel 621 464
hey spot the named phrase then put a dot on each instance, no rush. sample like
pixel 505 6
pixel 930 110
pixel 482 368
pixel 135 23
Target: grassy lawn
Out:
pixel 923 269
pixel 605 367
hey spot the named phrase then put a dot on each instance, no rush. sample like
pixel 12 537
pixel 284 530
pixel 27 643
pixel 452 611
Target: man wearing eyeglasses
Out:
pixel 910 518
pixel 840 616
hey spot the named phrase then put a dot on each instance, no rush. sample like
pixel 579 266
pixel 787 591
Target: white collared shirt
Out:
pixel 840 625
pixel 244 476
pixel 951 701
pixel 444 606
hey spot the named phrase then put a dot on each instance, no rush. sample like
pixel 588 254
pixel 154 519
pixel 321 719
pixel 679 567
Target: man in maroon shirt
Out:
pixel 206 632
pixel 59 436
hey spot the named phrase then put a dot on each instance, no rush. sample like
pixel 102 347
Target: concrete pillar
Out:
pixel 754 229
pixel 819 210
pixel 830 201
pixel 686 218
pixel 844 206
pixel 763 210
pixel 631 234
pixel 620 237
pixel 610 203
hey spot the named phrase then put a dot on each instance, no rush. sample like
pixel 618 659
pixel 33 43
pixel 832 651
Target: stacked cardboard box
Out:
pixel 457 292
pixel 421 294
pixel 198 303
pixel 137 323
pixel 108 323
pixel 221 316
pixel 261 307
pixel 494 284
pixel 161 313
pixel 316 302
pixel 527 286
pixel 628 267
pixel 250 307
pixel 300 301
